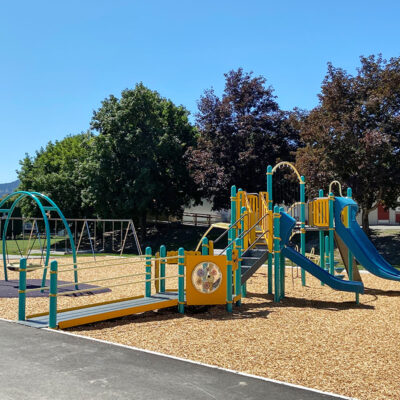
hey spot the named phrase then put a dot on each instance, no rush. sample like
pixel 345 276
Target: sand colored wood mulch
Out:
pixel 316 337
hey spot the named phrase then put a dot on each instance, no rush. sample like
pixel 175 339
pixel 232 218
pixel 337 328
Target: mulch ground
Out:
pixel 316 337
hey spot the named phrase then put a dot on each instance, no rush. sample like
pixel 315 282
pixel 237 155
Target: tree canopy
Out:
pixel 353 135
pixel 56 172
pixel 240 134
pixel 136 166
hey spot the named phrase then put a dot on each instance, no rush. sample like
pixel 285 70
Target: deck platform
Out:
pixel 102 312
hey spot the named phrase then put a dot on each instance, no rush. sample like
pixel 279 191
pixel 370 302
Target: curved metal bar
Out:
pixel 339 186
pixel 22 195
pixel 287 164
pixel 71 239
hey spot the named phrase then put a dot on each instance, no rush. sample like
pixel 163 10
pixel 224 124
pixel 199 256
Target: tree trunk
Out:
pixel 365 220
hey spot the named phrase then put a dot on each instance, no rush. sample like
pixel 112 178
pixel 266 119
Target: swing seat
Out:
pixel 29 268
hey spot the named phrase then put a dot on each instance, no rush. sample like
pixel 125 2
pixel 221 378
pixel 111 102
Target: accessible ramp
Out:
pixel 359 244
pixel 287 224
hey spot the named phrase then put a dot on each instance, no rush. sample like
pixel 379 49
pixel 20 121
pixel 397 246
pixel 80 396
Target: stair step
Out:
pixel 249 260
pixel 334 263
pixel 339 269
pixel 340 276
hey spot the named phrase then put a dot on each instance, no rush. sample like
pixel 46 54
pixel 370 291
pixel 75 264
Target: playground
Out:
pixel 252 300
pixel 317 337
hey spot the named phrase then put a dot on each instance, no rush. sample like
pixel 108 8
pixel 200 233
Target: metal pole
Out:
pixel 229 280
pixel 331 199
pixel 181 280
pixel 204 247
pixel 350 254
pixel 282 269
pixel 270 203
pixel 163 253
pixel 321 243
pixel 238 282
pixel 22 288
pixel 148 272
pixel 53 295
pixel 277 253
pixel 242 211
pixel 232 232
pixel 303 224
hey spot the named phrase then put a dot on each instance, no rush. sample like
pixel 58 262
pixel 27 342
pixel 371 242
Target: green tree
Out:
pixel 353 135
pixel 240 134
pixel 56 172
pixel 137 165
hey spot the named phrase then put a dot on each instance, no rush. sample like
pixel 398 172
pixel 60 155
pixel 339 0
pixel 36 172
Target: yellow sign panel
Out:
pixel 205 280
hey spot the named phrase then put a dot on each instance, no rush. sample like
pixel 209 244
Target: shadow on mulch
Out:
pixel 9 289
pixel 380 292
pixel 307 303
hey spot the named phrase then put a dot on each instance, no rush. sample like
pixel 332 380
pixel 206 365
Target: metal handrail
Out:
pixel 243 234
pixel 224 233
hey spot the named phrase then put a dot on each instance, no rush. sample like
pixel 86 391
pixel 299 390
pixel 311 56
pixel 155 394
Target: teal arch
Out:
pixel 38 199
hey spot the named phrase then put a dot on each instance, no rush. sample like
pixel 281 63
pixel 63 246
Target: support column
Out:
pixel 148 272
pixel 232 232
pixel 270 202
pixel 163 253
pixel 22 289
pixel 350 254
pixel 277 254
pixel 321 242
pixel 303 225
pixel 53 295
pixel 229 280
pixel 181 280
pixel 331 236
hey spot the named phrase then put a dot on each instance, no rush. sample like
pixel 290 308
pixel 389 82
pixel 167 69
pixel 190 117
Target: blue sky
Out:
pixel 58 60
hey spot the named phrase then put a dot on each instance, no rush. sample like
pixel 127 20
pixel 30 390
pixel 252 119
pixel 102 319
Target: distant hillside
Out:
pixel 7 188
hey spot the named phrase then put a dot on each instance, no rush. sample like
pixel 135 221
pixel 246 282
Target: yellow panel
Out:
pixel 320 212
pixel 195 297
pixel 175 253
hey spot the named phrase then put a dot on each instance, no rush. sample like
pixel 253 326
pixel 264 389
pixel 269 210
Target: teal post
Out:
pixel 277 253
pixel 163 253
pixel 242 211
pixel 204 247
pixel 238 281
pixel 22 288
pixel 232 232
pixel 303 224
pixel 53 295
pixel 321 242
pixel 181 280
pixel 270 202
pixel 331 236
pixel 148 272
pixel 283 270
pixel 229 280
pixel 350 254
pixel 326 252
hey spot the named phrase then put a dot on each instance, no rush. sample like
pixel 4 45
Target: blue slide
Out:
pixel 287 225
pixel 359 244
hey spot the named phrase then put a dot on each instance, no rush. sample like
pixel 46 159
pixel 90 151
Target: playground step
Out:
pixel 254 253
pixel 340 276
pixel 249 260
pixel 339 269
pixel 248 271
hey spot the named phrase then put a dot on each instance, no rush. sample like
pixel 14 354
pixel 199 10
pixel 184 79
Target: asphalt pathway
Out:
pixel 39 364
